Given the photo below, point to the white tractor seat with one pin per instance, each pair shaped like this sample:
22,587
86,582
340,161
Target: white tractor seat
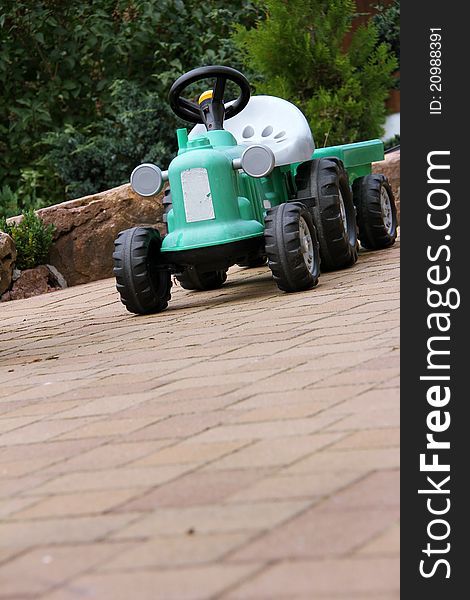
273,122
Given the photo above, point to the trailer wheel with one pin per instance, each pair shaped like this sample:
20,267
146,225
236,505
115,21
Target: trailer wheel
192,279
376,211
292,247
323,186
143,286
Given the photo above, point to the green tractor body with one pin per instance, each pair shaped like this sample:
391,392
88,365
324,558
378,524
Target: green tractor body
209,208
250,190
217,205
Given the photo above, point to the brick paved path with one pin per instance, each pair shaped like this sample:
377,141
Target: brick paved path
242,445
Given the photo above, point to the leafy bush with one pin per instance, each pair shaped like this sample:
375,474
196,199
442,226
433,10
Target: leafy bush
32,238
24,197
299,49
139,128
64,67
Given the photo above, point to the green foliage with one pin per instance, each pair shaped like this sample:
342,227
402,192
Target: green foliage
392,142
32,239
24,197
299,49
387,22
103,154
64,67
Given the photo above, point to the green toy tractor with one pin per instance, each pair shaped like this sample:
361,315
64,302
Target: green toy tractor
248,187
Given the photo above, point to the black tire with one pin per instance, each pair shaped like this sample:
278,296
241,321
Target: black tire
251,263
192,279
284,230
376,211
323,185
143,287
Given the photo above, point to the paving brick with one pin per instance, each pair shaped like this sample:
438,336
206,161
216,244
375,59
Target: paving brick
319,398
268,429
40,431
307,485
80,503
42,569
107,456
343,578
114,479
11,423
42,408
177,551
201,487
370,438
65,530
180,426
212,519
329,459
275,452
369,419
190,583
190,453
241,445
56,450
13,505
386,543
273,413
376,490
319,532
18,468
108,427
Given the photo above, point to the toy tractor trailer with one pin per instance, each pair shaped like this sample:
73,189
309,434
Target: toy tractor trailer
247,186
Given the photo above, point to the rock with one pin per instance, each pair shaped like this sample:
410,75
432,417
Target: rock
83,243
57,277
391,168
32,282
7,261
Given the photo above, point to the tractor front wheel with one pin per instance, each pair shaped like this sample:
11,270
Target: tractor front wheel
292,247
144,286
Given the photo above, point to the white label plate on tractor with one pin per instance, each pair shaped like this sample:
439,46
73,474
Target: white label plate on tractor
197,195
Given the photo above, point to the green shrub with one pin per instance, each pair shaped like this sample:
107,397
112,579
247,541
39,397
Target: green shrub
139,128
32,238
61,64
387,22
299,49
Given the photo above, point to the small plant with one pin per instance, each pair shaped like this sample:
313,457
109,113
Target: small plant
32,238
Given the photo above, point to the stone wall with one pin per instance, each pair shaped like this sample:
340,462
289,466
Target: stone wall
87,227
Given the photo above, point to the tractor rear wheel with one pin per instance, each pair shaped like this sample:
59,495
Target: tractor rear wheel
292,247
143,285
376,211
323,185
192,279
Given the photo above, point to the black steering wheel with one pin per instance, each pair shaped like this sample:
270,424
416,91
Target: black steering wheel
190,111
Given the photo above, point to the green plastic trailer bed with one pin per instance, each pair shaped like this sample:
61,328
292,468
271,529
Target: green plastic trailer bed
357,158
